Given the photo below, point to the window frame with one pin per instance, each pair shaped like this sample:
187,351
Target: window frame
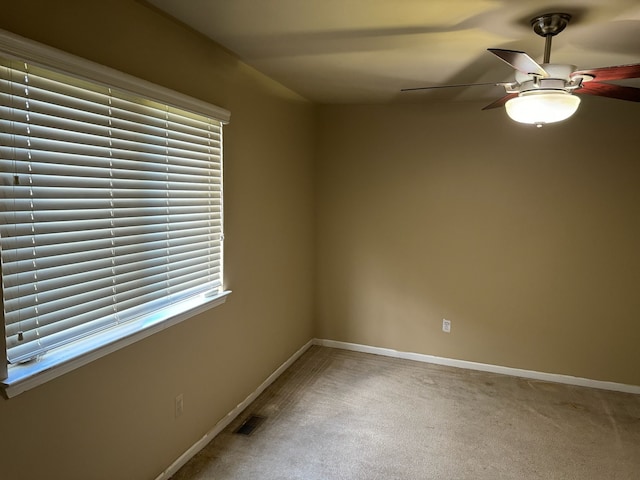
21,377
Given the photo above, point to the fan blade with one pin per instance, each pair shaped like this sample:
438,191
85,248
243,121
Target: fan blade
612,73
501,101
609,90
520,61
450,86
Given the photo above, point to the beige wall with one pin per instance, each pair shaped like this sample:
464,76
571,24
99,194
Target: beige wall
114,419
526,239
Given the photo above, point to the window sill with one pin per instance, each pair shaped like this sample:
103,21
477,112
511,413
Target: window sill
23,377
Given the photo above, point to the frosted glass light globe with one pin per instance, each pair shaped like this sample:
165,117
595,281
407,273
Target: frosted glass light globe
542,106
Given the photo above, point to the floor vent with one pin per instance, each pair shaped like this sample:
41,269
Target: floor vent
250,425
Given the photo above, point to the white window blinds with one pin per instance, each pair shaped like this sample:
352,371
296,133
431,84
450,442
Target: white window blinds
110,204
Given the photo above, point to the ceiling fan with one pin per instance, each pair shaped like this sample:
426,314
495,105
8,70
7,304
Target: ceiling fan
545,93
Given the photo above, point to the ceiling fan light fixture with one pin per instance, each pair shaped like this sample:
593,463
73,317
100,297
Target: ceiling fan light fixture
542,106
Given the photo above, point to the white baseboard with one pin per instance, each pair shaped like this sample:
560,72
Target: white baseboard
484,367
224,422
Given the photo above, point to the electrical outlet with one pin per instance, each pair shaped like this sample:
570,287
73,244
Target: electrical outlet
446,325
179,405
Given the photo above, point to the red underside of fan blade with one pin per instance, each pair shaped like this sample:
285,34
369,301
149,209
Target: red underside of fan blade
612,73
501,101
612,91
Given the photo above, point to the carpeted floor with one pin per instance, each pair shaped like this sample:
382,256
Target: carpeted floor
337,414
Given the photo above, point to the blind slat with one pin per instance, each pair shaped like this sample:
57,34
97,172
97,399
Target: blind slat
97,248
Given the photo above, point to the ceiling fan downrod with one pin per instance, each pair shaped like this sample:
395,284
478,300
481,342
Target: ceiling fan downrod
548,26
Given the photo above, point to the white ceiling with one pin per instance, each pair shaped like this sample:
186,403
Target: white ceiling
357,51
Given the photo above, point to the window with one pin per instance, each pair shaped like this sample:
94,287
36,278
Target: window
111,208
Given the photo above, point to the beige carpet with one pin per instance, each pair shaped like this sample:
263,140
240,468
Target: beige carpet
343,415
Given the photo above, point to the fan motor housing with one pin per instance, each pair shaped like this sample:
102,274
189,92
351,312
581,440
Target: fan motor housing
559,79
545,84
557,71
